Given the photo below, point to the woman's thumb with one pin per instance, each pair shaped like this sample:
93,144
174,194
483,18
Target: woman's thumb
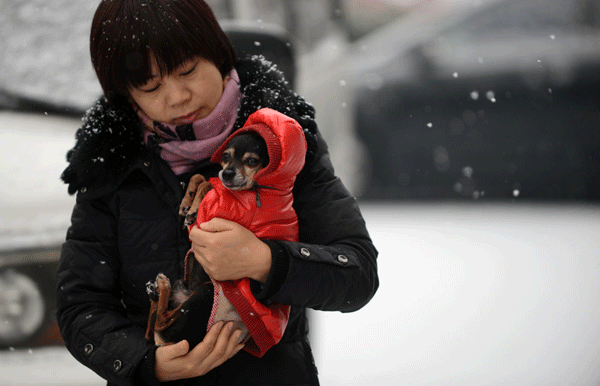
215,225
178,349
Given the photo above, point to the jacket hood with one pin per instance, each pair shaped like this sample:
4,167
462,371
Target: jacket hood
286,146
110,143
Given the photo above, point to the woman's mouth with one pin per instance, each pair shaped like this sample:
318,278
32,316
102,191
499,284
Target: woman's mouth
187,119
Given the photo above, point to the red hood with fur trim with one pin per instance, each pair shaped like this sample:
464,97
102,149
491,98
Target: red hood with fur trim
266,211
286,145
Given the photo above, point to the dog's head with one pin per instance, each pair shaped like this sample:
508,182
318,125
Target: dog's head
244,156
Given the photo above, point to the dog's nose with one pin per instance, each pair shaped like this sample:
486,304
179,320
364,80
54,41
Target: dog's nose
228,174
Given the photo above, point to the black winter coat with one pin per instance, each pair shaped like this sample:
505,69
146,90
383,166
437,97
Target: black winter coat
126,228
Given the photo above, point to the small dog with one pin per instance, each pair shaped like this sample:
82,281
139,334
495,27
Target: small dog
180,311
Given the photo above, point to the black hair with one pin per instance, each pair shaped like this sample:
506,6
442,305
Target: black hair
126,35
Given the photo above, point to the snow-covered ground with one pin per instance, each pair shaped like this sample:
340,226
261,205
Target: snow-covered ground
473,295
50,366
483,294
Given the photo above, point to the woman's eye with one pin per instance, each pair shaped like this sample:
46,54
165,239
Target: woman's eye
189,71
148,90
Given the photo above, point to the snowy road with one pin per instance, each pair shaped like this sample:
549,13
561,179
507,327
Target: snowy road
479,294
49,366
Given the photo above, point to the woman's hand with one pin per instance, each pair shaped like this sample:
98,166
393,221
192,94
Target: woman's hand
228,251
176,361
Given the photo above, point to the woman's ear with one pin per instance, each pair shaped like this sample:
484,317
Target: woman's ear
132,102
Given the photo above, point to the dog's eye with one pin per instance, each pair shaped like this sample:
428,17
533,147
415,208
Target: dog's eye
252,162
225,157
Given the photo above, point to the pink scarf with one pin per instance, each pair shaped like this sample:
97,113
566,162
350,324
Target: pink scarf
184,146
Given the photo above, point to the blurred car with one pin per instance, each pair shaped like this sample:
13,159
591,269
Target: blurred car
492,99
34,215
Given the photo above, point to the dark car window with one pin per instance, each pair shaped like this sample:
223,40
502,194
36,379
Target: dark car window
501,105
532,15
589,16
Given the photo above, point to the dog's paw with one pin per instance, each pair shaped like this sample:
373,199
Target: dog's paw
190,219
183,211
152,290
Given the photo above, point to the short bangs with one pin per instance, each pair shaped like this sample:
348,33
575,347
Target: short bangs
127,34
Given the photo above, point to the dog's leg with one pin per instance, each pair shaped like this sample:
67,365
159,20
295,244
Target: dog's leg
190,194
151,321
163,314
203,188
159,292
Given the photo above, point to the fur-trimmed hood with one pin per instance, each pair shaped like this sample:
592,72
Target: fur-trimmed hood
110,141
285,143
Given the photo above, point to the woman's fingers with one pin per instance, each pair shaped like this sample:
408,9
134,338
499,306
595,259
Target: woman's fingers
176,350
204,348
229,251
177,362
232,348
217,224
218,347
234,344
168,361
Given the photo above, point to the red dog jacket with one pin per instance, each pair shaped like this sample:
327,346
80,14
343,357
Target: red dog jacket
267,212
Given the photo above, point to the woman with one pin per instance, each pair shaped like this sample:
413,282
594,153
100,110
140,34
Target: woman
173,92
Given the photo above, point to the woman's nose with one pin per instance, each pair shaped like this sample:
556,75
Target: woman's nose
178,94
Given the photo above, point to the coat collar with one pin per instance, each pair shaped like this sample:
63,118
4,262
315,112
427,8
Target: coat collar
109,144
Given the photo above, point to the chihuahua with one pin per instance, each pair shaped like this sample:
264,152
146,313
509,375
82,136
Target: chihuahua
192,298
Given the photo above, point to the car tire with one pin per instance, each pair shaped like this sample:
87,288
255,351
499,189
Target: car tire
23,310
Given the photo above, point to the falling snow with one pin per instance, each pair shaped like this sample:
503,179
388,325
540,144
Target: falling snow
467,171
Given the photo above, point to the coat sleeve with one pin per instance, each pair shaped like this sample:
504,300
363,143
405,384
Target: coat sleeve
334,266
90,313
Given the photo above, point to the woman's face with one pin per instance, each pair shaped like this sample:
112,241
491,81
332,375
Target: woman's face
189,93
